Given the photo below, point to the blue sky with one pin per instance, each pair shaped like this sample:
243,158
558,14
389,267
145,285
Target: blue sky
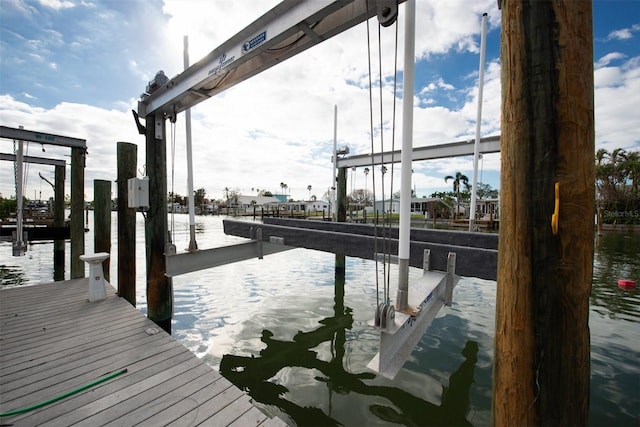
77,68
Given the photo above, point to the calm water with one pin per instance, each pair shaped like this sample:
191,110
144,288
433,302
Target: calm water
296,337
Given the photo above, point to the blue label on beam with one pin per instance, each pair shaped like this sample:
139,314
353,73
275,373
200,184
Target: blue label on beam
257,40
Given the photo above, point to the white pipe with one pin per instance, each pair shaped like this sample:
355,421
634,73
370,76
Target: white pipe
193,246
476,146
334,196
406,155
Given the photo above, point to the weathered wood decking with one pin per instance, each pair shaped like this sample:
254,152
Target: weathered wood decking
53,340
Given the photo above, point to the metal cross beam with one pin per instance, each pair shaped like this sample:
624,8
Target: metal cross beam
476,256
490,144
41,137
291,27
35,160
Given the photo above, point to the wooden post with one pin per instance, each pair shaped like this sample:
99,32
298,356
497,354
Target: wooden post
341,195
77,209
127,155
159,289
58,221
541,356
102,221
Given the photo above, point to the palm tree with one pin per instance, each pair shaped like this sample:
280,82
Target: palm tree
460,177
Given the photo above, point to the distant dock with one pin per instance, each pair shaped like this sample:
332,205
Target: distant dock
53,342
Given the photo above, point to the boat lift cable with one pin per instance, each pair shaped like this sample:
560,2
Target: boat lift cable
373,169
393,132
385,242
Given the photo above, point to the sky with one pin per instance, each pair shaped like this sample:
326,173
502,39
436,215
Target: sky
77,68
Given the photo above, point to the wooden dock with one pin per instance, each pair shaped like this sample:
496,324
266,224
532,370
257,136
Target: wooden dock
53,341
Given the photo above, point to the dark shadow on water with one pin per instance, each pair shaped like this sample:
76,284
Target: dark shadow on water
253,374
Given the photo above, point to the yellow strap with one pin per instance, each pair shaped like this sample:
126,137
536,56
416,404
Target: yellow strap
554,217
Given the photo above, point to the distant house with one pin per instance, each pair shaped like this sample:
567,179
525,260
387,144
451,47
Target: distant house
420,205
386,206
317,205
247,203
487,209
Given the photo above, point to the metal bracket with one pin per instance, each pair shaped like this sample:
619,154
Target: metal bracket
451,268
426,260
158,120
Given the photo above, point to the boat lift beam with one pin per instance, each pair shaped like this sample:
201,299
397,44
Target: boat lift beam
34,160
41,137
288,29
477,254
188,262
490,144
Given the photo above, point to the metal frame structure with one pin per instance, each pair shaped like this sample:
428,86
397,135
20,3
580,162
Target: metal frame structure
78,151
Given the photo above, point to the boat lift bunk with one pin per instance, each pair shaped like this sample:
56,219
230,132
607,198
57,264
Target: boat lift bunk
400,331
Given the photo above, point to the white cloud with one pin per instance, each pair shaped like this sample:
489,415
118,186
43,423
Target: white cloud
617,97
278,126
57,4
624,33
608,58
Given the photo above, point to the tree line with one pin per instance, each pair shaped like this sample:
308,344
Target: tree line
618,185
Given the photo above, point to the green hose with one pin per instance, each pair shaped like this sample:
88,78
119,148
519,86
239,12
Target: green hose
64,395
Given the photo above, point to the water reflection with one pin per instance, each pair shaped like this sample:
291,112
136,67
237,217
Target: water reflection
228,310
616,257
255,374
11,275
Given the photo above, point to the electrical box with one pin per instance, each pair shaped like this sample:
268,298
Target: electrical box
138,192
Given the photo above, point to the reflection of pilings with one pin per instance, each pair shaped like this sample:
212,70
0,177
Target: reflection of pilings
254,373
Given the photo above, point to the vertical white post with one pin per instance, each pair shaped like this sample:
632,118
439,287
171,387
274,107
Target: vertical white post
18,244
476,145
334,195
193,246
406,158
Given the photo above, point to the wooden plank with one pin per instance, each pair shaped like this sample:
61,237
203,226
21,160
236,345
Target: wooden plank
210,407
136,372
57,341
169,406
251,418
186,411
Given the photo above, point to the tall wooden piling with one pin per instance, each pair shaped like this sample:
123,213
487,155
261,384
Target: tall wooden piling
77,209
102,221
159,289
541,356
127,155
58,221
341,195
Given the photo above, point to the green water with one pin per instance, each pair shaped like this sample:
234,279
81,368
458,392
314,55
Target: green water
295,336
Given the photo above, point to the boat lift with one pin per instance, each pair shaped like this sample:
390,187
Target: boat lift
286,30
